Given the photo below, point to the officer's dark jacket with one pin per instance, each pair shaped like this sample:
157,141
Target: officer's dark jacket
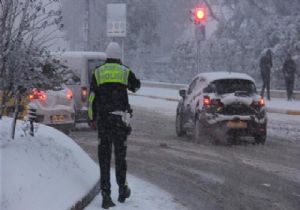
112,96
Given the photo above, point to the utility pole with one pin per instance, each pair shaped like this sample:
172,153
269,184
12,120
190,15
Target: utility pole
86,36
116,23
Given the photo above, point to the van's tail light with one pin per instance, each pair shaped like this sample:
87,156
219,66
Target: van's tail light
38,94
69,94
84,94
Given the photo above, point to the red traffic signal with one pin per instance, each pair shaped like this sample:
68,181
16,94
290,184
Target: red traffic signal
198,15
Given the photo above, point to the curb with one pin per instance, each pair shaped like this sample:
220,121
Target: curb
274,93
269,110
86,200
282,111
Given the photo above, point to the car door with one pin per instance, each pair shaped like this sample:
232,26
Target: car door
190,96
198,94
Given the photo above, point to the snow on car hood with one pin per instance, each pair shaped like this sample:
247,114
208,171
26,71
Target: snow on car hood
231,98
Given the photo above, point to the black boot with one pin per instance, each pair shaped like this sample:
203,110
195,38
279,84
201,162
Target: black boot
124,192
106,201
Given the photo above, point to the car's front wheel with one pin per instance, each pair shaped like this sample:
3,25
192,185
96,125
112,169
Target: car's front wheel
179,128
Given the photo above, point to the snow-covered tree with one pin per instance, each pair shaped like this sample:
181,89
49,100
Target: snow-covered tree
27,28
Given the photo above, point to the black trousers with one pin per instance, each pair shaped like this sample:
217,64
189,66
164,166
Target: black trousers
289,88
112,132
266,85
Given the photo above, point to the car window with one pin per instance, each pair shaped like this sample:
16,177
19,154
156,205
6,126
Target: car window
231,85
211,88
193,85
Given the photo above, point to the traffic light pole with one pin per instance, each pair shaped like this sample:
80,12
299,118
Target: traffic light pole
87,26
198,56
200,36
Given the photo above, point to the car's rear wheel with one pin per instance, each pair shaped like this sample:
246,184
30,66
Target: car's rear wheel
260,139
202,134
198,132
179,128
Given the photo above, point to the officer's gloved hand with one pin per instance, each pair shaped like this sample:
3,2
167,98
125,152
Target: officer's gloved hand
93,125
128,130
130,111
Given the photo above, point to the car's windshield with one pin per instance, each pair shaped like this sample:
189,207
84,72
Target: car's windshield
225,86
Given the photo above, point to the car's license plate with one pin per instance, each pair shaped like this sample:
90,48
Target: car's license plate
58,118
236,125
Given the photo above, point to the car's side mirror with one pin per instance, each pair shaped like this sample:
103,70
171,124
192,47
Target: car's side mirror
182,93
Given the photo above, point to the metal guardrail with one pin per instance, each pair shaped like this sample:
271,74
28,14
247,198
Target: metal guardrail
274,93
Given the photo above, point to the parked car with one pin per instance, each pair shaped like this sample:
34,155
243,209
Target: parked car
221,105
54,107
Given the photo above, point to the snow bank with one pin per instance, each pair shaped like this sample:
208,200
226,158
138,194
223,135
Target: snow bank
284,127
48,171
280,103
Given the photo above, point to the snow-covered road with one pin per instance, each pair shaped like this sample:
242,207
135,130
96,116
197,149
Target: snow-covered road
144,196
207,176
183,174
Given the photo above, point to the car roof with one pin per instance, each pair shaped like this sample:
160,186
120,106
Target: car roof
213,76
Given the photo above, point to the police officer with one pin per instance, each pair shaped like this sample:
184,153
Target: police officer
108,111
265,70
289,70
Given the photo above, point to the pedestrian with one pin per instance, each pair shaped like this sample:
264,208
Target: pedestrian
109,111
265,70
289,70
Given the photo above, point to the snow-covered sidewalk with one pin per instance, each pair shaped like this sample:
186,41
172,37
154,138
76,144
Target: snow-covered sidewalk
144,196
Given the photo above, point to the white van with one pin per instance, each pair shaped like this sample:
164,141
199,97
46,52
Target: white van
82,65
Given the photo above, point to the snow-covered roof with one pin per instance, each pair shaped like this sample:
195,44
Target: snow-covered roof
213,76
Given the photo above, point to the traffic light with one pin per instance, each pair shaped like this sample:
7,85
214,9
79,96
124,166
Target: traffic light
198,15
